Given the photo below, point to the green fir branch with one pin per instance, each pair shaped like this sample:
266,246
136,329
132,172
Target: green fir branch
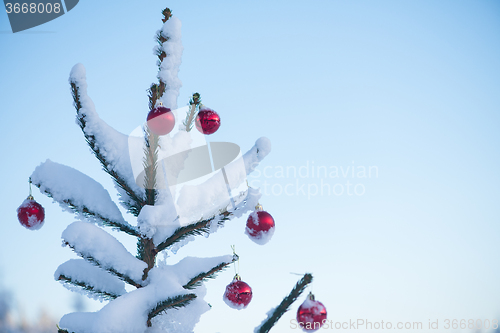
96,262
104,294
194,102
155,91
146,251
125,227
199,228
134,207
285,304
211,274
171,303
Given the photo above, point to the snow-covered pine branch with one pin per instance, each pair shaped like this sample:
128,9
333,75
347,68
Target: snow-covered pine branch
100,248
165,290
171,303
275,314
172,48
82,194
98,283
109,146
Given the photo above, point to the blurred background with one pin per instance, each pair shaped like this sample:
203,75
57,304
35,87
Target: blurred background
384,175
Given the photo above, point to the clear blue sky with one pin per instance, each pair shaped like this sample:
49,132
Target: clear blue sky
409,87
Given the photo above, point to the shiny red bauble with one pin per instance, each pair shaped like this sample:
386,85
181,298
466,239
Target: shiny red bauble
238,294
311,314
31,214
260,227
161,120
207,121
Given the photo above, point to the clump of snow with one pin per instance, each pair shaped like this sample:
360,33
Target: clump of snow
67,184
310,304
159,221
112,144
169,68
190,267
260,150
82,271
182,320
129,313
91,241
262,237
232,305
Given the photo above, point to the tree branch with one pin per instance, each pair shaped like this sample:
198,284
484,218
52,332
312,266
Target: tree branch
194,102
211,274
198,228
95,262
171,303
125,227
134,208
86,287
285,304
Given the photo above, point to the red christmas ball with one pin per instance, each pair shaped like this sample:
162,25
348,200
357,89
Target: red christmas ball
311,314
238,294
161,120
260,226
31,214
207,121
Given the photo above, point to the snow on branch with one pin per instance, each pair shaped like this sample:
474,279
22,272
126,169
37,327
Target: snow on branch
208,274
79,192
100,248
98,283
275,314
109,146
171,303
134,311
170,52
199,228
256,154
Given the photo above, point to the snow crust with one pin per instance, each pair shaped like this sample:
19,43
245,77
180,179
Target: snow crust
253,157
91,241
233,305
112,144
65,183
82,271
169,68
128,313
182,320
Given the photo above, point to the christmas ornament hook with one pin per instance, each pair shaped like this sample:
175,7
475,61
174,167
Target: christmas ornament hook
236,271
30,197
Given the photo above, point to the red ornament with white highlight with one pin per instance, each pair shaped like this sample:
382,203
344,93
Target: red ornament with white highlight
207,121
161,120
260,226
238,294
311,314
31,214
